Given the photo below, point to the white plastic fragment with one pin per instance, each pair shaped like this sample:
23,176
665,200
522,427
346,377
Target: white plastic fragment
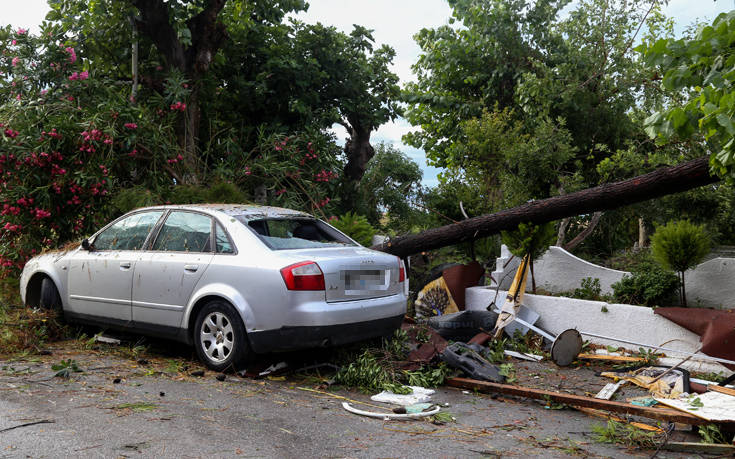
389,416
419,395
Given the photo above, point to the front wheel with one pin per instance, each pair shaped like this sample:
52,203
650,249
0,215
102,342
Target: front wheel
50,298
220,338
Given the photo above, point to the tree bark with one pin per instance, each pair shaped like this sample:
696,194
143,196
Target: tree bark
562,234
207,36
658,183
571,245
642,234
358,150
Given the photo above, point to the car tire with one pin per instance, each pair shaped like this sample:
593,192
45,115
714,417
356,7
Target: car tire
50,298
220,338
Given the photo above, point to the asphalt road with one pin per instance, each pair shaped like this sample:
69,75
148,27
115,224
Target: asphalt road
157,409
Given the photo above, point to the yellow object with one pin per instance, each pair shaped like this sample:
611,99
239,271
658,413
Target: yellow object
435,299
514,298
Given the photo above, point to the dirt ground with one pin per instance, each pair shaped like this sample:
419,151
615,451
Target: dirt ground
131,400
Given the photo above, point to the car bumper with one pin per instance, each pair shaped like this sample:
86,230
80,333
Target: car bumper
291,338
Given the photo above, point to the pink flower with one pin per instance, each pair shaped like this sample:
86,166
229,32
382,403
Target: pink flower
74,76
17,97
72,54
15,61
131,125
247,170
280,192
21,31
84,75
14,42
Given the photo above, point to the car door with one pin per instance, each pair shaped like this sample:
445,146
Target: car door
167,273
101,279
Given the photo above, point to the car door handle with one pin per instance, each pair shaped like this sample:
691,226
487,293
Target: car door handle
191,268
125,264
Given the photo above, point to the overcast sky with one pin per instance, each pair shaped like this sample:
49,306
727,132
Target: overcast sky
394,22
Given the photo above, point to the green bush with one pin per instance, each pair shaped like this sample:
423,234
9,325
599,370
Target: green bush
679,246
529,239
355,226
648,284
590,290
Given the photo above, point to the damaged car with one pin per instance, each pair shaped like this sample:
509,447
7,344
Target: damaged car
231,280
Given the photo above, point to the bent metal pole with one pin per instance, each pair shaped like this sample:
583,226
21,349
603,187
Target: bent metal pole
692,354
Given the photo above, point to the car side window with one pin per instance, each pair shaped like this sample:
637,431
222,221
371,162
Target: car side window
222,241
185,232
129,233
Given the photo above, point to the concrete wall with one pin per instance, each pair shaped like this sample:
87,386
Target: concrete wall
710,284
556,271
622,321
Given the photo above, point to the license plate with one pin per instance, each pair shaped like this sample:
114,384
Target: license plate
366,280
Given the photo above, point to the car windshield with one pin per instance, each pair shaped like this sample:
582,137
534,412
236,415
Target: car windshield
295,233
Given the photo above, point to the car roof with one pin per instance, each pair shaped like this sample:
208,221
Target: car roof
249,211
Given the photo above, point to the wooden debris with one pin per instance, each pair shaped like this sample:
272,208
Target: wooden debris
610,358
702,448
722,390
609,390
662,414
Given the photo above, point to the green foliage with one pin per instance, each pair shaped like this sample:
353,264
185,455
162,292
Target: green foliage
391,184
700,67
366,373
398,388
429,376
711,433
65,368
355,226
625,434
680,245
530,239
648,284
589,290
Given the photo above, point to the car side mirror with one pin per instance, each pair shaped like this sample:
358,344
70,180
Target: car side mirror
86,245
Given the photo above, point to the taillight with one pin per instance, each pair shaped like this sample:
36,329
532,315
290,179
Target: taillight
303,276
401,271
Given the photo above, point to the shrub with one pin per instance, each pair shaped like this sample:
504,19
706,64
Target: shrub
590,290
356,227
529,239
648,284
679,246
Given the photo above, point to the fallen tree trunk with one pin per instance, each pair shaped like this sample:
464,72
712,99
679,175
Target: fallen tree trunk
668,180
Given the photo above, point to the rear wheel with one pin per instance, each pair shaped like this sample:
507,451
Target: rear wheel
50,298
220,338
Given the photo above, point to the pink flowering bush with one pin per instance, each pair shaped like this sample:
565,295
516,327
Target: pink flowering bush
68,143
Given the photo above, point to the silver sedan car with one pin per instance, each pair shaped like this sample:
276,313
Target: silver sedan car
232,280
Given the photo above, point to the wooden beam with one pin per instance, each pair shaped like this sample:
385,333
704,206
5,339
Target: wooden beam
661,414
720,389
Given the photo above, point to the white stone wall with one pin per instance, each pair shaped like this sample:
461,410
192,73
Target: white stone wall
711,284
621,321
556,271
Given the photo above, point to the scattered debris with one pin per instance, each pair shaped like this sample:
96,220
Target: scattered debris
116,381
700,448
107,339
711,406
610,358
660,381
463,357
609,390
388,416
42,421
418,395
197,373
276,367
524,356
662,414
221,377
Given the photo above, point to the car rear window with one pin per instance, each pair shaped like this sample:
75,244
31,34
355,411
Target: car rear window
295,233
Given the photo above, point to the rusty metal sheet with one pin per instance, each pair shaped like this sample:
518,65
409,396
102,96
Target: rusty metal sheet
715,328
458,278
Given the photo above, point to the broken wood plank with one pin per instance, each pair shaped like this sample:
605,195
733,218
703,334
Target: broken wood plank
704,448
661,414
610,358
609,390
606,415
720,389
